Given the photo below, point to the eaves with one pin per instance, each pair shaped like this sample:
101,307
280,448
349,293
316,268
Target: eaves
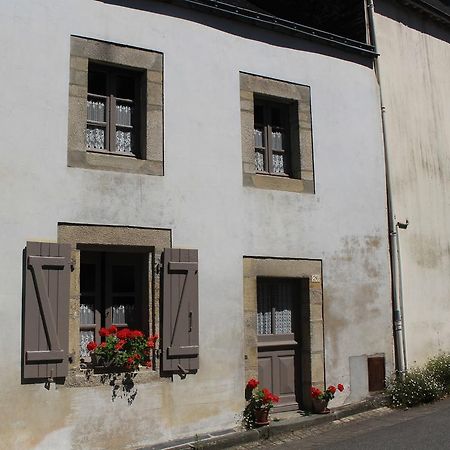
435,9
267,21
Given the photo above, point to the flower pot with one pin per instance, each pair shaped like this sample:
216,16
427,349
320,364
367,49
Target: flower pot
319,406
262,416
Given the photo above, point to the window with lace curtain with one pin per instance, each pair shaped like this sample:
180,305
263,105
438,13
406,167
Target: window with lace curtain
271,132
275,305
276,124
113,110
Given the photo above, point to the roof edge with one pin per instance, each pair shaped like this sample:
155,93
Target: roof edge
268,21
435,12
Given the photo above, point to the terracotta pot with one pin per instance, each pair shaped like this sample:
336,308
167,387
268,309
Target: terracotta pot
320,406
262,416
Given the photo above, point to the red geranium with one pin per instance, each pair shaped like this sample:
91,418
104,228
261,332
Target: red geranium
91,346
151,341
315,392
148,364
328,394
252,383
104,332
124,333
123,348
135,334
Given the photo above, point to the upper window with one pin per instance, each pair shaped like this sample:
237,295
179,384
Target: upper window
276,134
272,150
112,111
115,108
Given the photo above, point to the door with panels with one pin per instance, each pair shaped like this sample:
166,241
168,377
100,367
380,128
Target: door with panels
278,303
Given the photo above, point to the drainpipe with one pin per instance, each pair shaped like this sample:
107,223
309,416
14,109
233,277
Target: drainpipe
393,225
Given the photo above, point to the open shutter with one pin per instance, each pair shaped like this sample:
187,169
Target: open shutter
180,342
46,310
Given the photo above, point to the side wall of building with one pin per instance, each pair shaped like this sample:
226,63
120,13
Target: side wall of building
201,199
415,67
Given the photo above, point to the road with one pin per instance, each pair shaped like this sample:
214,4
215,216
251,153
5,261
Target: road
425,427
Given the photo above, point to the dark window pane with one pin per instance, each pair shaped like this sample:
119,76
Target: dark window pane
123,279
87,278
275,113
264,316
125,87
97,82
259,115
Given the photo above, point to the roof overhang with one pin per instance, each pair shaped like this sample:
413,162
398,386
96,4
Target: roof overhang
260,19
435,9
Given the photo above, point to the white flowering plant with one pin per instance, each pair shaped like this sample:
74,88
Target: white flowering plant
439,366
417,386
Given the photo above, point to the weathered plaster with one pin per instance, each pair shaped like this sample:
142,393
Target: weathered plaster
416,90
201,198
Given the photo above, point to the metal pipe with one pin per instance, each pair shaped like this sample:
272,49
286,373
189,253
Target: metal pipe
397,296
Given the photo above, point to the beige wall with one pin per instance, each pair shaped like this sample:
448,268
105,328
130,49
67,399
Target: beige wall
415,68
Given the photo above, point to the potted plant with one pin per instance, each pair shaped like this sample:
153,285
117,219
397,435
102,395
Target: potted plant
259,403
320,399
123,349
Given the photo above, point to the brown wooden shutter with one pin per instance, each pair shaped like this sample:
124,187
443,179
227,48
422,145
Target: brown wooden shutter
376,371
180,343
46,310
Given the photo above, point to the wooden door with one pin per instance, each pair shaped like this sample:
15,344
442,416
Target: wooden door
278,348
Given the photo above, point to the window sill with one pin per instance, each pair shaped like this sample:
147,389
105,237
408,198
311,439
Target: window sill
278,183
88,378
106,152
113,162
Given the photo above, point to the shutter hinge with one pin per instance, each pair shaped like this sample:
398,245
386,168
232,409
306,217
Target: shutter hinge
158,267
72,264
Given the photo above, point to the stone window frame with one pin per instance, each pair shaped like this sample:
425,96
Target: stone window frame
83,51
299,98
152,241
313,358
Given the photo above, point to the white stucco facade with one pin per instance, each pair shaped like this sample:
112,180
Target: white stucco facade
201,199
416,88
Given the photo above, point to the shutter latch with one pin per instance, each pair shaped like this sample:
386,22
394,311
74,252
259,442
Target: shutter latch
49,381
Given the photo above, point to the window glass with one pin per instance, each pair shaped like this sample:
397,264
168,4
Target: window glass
123,278
97,82
271,125
125,87
275,302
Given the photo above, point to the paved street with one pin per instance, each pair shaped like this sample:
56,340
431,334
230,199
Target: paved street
425,427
